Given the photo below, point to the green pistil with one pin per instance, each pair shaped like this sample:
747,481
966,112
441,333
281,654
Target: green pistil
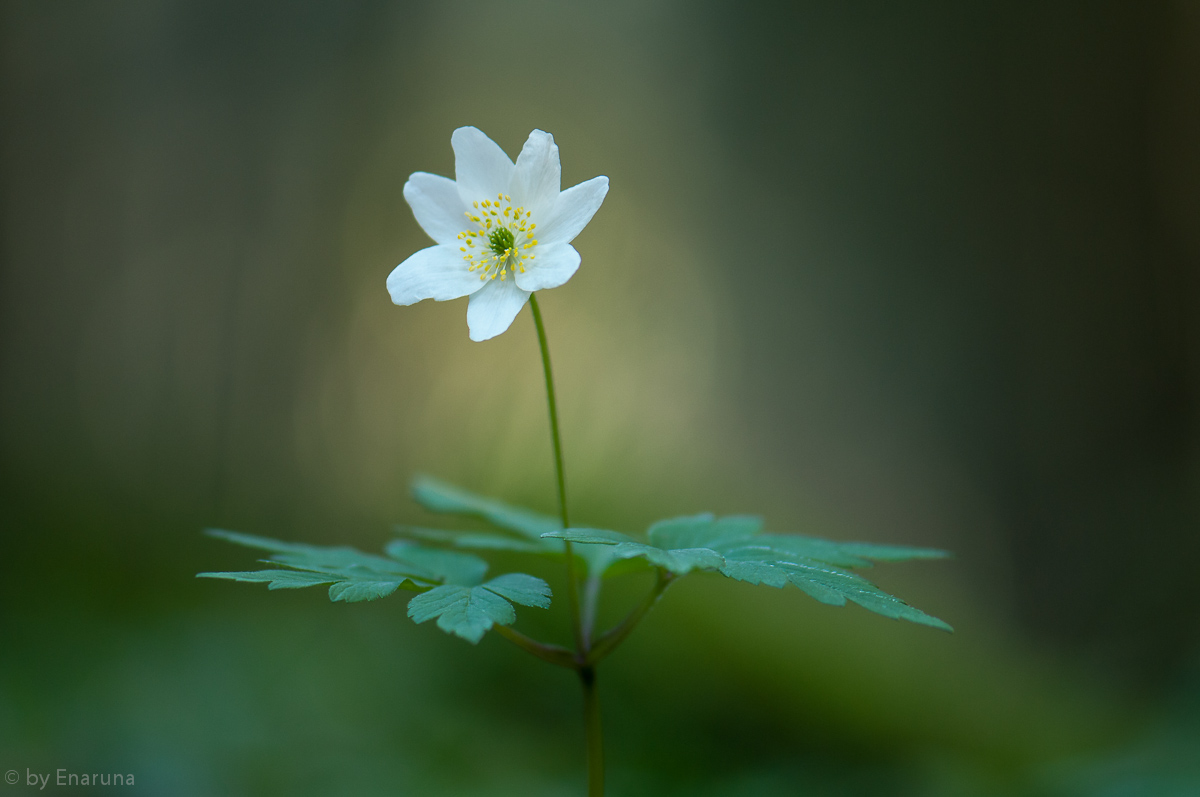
501,240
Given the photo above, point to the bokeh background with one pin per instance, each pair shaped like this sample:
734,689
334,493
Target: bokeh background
921,273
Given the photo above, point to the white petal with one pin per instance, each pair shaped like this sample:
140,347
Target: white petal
573,210
492,310
538,175
553,266
436,204
480,166
437,273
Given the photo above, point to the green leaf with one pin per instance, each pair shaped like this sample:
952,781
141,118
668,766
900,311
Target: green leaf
341,558
523,589
348,586
535,527
322,558
262,543
450,567
891,553
822,581
735,547
276,578
678,560
480,541
353,575
702,531
438,496
843,554
470,612
592,536
356,587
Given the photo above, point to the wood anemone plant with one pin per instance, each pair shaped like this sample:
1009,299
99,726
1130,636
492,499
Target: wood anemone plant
487,249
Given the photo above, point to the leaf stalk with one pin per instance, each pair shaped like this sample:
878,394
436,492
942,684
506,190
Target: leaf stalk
610,639
544,651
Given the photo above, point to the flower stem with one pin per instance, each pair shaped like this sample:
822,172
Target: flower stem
581,642
583,628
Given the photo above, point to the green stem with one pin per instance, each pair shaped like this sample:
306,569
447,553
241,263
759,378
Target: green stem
591,598
608,642
583,636
595,732
546,652
581,642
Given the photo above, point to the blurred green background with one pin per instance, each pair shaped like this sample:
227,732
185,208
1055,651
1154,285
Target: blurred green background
920,273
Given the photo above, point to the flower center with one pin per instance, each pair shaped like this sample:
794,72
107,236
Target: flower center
502,238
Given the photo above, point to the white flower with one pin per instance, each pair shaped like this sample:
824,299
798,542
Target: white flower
502,231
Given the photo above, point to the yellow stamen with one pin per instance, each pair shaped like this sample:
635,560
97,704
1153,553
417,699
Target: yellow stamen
498,214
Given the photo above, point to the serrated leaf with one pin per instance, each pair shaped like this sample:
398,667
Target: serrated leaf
321,558
466,612
353,575
363,588
592,536
450,567
343,586
342,558
822,581
276,578
678,560
439,496
734,546
892,553
470,612
262,543
843,554
702,531
523,589
479,541
359,576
